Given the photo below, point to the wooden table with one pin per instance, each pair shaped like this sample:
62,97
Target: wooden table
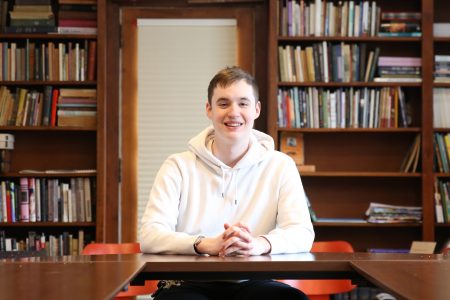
103,276
409,276
408,279
78,277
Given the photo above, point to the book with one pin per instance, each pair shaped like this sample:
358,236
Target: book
24,201
292,144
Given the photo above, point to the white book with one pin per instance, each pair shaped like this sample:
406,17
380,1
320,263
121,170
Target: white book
356,22
65,202
373,19
325,61
343,110
298,64
365,19
87,199
351,17
333,111
331,19
312,19
438,208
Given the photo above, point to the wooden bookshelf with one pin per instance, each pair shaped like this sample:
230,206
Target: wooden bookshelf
440,46
53,147
356,166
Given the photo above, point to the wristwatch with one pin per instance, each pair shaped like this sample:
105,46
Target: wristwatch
197,242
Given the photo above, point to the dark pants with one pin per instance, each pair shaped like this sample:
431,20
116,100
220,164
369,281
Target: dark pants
248,290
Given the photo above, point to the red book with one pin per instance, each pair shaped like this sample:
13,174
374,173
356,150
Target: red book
8,206
77,23
92,60
54,104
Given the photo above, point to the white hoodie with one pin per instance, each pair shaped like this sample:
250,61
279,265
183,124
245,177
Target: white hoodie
194,194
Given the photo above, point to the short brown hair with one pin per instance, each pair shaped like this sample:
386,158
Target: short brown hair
230,75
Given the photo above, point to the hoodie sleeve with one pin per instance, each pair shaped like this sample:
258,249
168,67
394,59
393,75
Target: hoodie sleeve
159,221
294,231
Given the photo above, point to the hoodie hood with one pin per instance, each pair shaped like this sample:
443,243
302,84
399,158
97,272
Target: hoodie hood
261,146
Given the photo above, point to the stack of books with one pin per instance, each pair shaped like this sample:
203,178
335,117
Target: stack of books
403,24
441,29
399,69
31,16
442,68
441,108
77,107
383,213
77,16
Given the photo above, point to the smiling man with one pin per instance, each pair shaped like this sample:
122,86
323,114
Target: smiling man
231,193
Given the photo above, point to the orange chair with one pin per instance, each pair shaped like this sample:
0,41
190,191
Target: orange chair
124,248
322,289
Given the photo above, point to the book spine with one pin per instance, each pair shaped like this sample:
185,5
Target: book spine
24,200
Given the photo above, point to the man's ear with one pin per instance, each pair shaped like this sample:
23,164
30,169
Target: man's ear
258,109
208,110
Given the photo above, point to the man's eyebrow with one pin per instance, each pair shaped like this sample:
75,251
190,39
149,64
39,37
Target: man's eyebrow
222,99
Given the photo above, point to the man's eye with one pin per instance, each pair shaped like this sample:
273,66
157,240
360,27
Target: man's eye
244,104
222,105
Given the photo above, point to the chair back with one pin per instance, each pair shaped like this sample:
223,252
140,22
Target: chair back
323,288
123,248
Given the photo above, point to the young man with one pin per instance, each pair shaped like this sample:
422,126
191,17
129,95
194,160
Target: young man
231,193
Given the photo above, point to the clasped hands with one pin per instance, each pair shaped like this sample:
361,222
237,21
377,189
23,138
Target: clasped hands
235,240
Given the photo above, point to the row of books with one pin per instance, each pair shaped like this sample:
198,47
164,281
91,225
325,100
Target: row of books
53,245
442,200
327,18
384,213
411,160
74,61
442,152
441,108
52,107
342,108
47,200
442,68
327,62
32,16
405,24
403,69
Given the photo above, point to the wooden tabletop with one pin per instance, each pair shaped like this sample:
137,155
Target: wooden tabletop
67,278
287,266
409,279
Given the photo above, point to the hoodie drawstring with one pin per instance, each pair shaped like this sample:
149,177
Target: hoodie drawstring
223,182
235,185
234,181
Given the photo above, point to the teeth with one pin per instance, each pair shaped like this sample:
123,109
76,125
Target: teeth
233,124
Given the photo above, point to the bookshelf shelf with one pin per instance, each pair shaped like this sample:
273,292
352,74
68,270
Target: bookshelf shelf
48,224
365,225
349,84
357,166
47,175
47,36
352,130
284,39
361,174
47,82
46,128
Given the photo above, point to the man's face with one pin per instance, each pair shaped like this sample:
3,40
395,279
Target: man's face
233,111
